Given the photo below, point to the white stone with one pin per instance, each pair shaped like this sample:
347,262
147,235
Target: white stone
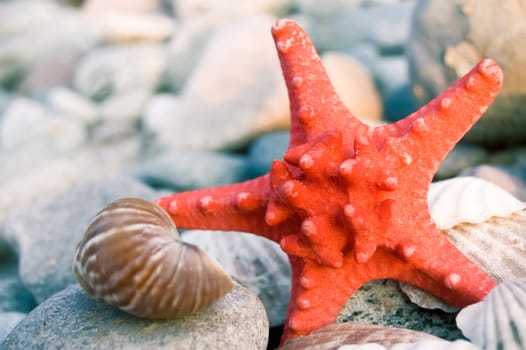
118,28
28,123
121,6
235,92
354,85
111,70
186,8
67,101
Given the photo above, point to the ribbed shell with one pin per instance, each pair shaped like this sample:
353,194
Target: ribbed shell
131,257
255,261
338,334
469,200
499,321
498,245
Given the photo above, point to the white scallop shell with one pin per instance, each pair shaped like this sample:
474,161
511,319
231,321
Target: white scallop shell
498,321
497,246
255,261
426,344
362,336
468,199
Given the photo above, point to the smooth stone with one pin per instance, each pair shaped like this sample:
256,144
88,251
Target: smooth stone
254,261
14,296
462,156
45,235
387,26
27,122
69,102
61,30
8,321
354,85
217,112
125,107
101,7
53,70
391,72
325,9
400,103
190,170
71,319
449,37
186,46
188,8
128,28
24,186
22,16
112,70
509,178
265,149
382,302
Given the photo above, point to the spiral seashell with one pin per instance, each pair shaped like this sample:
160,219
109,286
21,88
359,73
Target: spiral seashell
498,321
131,257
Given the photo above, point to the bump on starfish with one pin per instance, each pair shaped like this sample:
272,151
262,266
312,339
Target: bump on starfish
348,202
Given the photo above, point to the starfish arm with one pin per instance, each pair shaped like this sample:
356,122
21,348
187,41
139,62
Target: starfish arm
235,207
434,129
314,104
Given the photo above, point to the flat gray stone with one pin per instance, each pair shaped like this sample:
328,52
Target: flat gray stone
46,234
14,296
189,170
383,302
8,321
73,320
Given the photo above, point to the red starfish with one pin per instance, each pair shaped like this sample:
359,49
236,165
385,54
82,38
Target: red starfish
348,203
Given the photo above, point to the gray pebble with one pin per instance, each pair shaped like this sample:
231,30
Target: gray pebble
73,320
46,234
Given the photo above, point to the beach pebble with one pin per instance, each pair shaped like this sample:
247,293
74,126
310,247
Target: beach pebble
386,26
354,84
225,103
186,46
188,8
8,321
45,235
382,302
126,28
66,101
462,156
189,170
257,262
40,29
24,185
265,149
112,70
449,37
27,123
71,319
54,70
509,178
14,296
99,7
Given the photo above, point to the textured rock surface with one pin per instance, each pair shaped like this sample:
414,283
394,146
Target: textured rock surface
382,302
45,235
256,262
188,170
73,320
8,321
448,37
